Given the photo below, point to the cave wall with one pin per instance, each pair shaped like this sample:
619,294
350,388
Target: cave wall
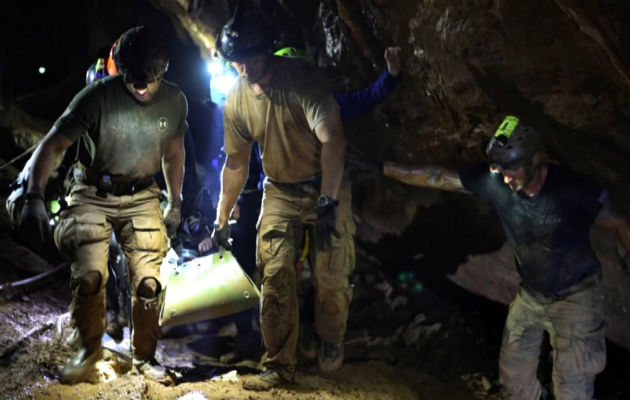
561,65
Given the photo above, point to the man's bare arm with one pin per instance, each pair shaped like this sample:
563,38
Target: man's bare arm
173,167
429,176
233,179
45,158
330,134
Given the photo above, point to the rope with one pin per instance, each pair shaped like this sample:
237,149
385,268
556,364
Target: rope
30,149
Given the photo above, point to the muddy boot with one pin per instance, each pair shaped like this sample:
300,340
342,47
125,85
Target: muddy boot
247,347
268,379
330,357
152,370
115,327
115,331
81,367
308,342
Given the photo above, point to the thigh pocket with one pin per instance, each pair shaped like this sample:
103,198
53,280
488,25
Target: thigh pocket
583,353
272,241
149,234
75,231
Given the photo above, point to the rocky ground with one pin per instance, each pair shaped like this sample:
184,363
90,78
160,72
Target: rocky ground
405,341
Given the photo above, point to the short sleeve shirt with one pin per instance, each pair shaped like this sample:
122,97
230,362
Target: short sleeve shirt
282,120
549,232
119,135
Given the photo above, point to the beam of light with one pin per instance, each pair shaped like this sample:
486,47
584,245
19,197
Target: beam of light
222,78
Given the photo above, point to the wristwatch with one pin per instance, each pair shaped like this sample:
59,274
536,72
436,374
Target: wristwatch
324,200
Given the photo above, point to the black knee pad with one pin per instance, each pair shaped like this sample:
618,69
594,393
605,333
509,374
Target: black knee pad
90,283
149,288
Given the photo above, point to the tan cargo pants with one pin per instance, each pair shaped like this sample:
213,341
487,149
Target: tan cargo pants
83,236
280,233
576,333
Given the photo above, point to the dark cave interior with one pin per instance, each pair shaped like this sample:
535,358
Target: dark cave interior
464,66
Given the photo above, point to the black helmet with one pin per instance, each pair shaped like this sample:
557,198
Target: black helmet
513,144
141,55
244,35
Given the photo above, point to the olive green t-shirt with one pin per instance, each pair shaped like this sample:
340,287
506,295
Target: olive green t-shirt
282,120
119,135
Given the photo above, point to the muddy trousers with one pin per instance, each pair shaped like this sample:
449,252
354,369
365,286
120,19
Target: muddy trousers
576,333
83,235
281,228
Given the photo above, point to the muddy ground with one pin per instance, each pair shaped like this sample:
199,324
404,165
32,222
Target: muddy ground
405,341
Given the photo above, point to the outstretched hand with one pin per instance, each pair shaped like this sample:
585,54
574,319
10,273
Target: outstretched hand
392,57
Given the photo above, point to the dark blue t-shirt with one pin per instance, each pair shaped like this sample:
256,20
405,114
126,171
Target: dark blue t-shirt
549,232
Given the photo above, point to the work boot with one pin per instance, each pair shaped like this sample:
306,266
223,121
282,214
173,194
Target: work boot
330,357
268,379
308,343
152,370
115,330
81,367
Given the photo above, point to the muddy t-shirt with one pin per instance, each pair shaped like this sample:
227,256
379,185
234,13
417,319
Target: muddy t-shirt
549,232
119,135
282,120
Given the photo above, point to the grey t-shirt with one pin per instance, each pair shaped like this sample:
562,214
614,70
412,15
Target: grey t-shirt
119,135
549,232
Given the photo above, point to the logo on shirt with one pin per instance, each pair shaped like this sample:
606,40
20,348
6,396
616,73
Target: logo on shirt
162,124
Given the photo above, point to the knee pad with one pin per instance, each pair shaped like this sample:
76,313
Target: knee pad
90,283
149,288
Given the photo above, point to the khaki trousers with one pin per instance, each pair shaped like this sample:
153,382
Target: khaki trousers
83,236
576,332
281,227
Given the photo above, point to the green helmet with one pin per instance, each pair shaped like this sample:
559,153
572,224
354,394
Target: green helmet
293,52
513,144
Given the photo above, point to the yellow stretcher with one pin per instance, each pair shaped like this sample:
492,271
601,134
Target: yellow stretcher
204,288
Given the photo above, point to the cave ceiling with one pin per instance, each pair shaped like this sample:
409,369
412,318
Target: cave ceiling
562,65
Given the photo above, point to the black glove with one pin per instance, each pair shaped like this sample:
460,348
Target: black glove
362,169
325,225
221,236
34,226
172,217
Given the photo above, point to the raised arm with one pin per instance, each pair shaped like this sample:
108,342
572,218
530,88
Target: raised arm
353,104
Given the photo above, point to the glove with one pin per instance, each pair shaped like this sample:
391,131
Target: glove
34,221
221,236
172,217
362,169
325,226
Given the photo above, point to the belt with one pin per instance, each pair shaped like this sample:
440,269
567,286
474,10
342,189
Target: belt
117,186
303,189
586,283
